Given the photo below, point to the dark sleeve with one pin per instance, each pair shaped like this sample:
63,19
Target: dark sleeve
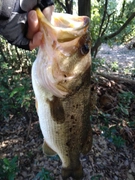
14,30
9,6
44,3
26,5
13,23
20,6
6,8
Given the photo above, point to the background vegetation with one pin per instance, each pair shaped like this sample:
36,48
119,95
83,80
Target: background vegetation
112,22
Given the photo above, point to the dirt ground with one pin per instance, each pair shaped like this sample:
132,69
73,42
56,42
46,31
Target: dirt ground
121,54
104,162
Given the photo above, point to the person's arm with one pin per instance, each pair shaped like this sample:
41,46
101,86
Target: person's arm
13,20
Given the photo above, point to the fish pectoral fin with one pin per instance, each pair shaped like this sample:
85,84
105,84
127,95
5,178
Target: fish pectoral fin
47,150
57,110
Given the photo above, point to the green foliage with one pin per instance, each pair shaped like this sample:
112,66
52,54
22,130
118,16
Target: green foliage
8,168
59,7
97,63
107,19
118,141
122,109
97,177
112,135
121,113
131,124
114,66
111,132
125,99
16,93
43,175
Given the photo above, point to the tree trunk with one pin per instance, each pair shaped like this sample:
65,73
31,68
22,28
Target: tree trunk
104,38
69,6
84,7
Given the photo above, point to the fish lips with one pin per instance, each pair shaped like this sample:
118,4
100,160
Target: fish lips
65,27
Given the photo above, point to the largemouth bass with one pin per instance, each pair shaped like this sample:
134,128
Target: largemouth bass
61,82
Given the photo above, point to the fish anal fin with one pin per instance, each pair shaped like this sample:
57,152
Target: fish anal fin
76,173
47,150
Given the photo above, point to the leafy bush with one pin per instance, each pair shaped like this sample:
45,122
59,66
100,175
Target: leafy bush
97,63
96,177
8,168
125,99
43,175
114,66
111,22
16,93
112,135
111,125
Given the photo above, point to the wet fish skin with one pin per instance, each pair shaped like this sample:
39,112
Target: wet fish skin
61,82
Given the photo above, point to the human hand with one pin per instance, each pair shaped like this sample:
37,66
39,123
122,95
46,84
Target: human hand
22,29
33,34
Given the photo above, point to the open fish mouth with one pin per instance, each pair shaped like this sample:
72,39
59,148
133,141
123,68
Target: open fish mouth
65,26
62,58
70,27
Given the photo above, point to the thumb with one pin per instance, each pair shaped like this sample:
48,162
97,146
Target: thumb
33,24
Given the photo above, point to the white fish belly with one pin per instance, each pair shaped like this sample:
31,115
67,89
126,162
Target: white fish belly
54,134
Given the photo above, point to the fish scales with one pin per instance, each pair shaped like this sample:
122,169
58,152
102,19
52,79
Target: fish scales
61,82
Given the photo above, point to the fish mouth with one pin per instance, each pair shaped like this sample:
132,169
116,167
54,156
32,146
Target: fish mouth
65,27
71,31
63,55
69,21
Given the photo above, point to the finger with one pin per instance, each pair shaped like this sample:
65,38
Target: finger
36,41
33,24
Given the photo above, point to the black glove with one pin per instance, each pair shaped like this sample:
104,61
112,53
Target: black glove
13,20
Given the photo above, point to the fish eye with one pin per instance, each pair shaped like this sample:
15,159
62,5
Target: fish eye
85,49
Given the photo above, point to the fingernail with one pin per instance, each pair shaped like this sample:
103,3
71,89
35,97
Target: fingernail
33,15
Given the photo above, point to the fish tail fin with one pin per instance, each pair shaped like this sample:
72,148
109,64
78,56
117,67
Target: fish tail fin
76,173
